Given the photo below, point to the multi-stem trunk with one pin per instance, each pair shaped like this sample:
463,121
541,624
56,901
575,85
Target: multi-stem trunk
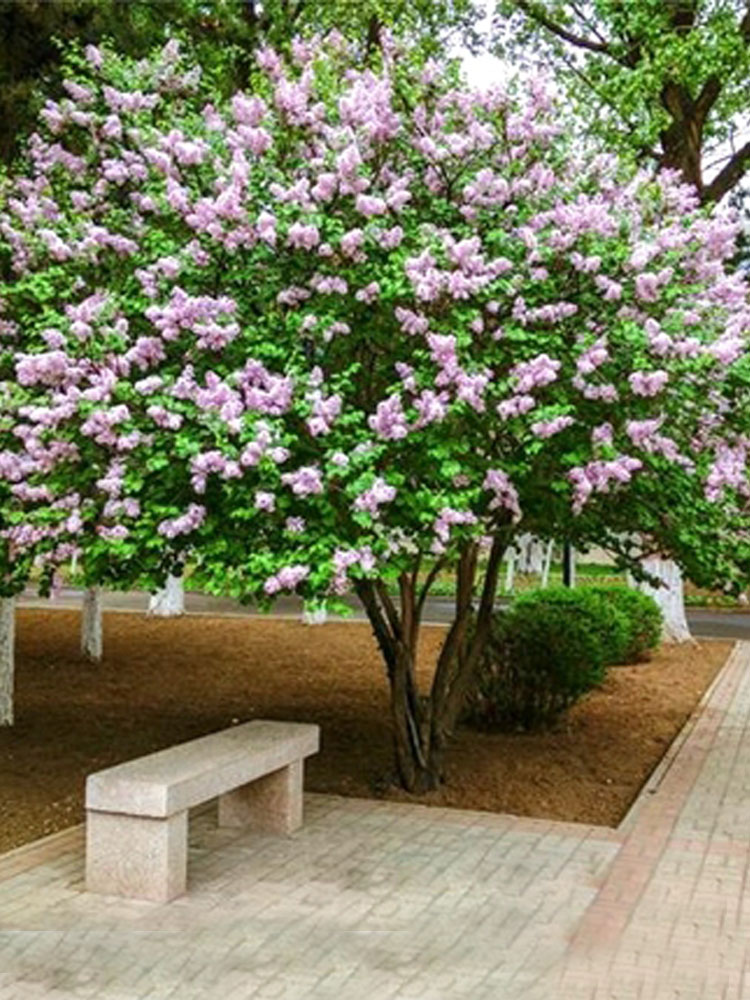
7,632
423,721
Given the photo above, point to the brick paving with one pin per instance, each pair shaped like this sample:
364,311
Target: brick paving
380,901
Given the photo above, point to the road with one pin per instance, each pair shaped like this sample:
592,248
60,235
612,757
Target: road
439,610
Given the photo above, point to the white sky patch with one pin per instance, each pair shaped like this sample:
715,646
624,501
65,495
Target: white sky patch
485,70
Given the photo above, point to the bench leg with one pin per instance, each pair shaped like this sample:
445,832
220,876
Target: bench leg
136,856
271,804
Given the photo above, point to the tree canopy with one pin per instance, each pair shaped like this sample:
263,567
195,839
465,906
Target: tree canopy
349,323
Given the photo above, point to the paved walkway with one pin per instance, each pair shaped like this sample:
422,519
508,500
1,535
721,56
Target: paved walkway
383,901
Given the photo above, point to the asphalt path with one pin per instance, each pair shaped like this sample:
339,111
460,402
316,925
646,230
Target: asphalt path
703,622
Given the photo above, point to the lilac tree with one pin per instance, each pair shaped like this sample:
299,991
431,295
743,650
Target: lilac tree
354,329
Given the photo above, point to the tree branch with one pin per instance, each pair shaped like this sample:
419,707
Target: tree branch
385,638
429,580
390,609
580,42
728,176
745,24
707,98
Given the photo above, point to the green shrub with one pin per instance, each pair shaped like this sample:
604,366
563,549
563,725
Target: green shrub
609,621
543,654
644,619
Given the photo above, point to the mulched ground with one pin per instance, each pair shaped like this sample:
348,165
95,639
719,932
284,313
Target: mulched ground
165,681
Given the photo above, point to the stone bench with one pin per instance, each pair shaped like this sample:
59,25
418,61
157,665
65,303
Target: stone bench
137,812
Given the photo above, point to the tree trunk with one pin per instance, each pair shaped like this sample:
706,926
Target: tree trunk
169,602
423,723
418,762
315,616
7,646
568,565
91,624
510,569
681,140
547,564
530,554
669,597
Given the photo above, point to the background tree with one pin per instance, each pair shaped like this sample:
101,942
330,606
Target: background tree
661,83
666,80
224,35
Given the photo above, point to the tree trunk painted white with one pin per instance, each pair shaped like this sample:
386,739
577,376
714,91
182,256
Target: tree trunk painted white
530,554
169,602
547,564
91,624
510,569
670,597
7,645
316,616
573,567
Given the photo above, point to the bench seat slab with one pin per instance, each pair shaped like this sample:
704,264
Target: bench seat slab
136,856
181,777
271,804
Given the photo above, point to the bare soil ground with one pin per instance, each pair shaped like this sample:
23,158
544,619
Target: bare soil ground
165,681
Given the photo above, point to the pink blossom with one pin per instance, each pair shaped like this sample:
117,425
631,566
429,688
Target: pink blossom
303,237
411,322
192,519
548,428
305,481
112,534
449,516
325,187
372,498
505,494
264,500
368,205
648,383
369,293
389,420
540,371
600,476
602,434
352,241
248,110
286,578
516,406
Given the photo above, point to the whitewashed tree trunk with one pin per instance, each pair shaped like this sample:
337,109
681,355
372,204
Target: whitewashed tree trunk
169,602
530,554
316,616
91,624
510,570
547,564
669,597
573,567
7,647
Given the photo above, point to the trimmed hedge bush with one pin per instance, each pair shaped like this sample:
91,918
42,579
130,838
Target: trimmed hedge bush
606,618
544,653
552,646
644,620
